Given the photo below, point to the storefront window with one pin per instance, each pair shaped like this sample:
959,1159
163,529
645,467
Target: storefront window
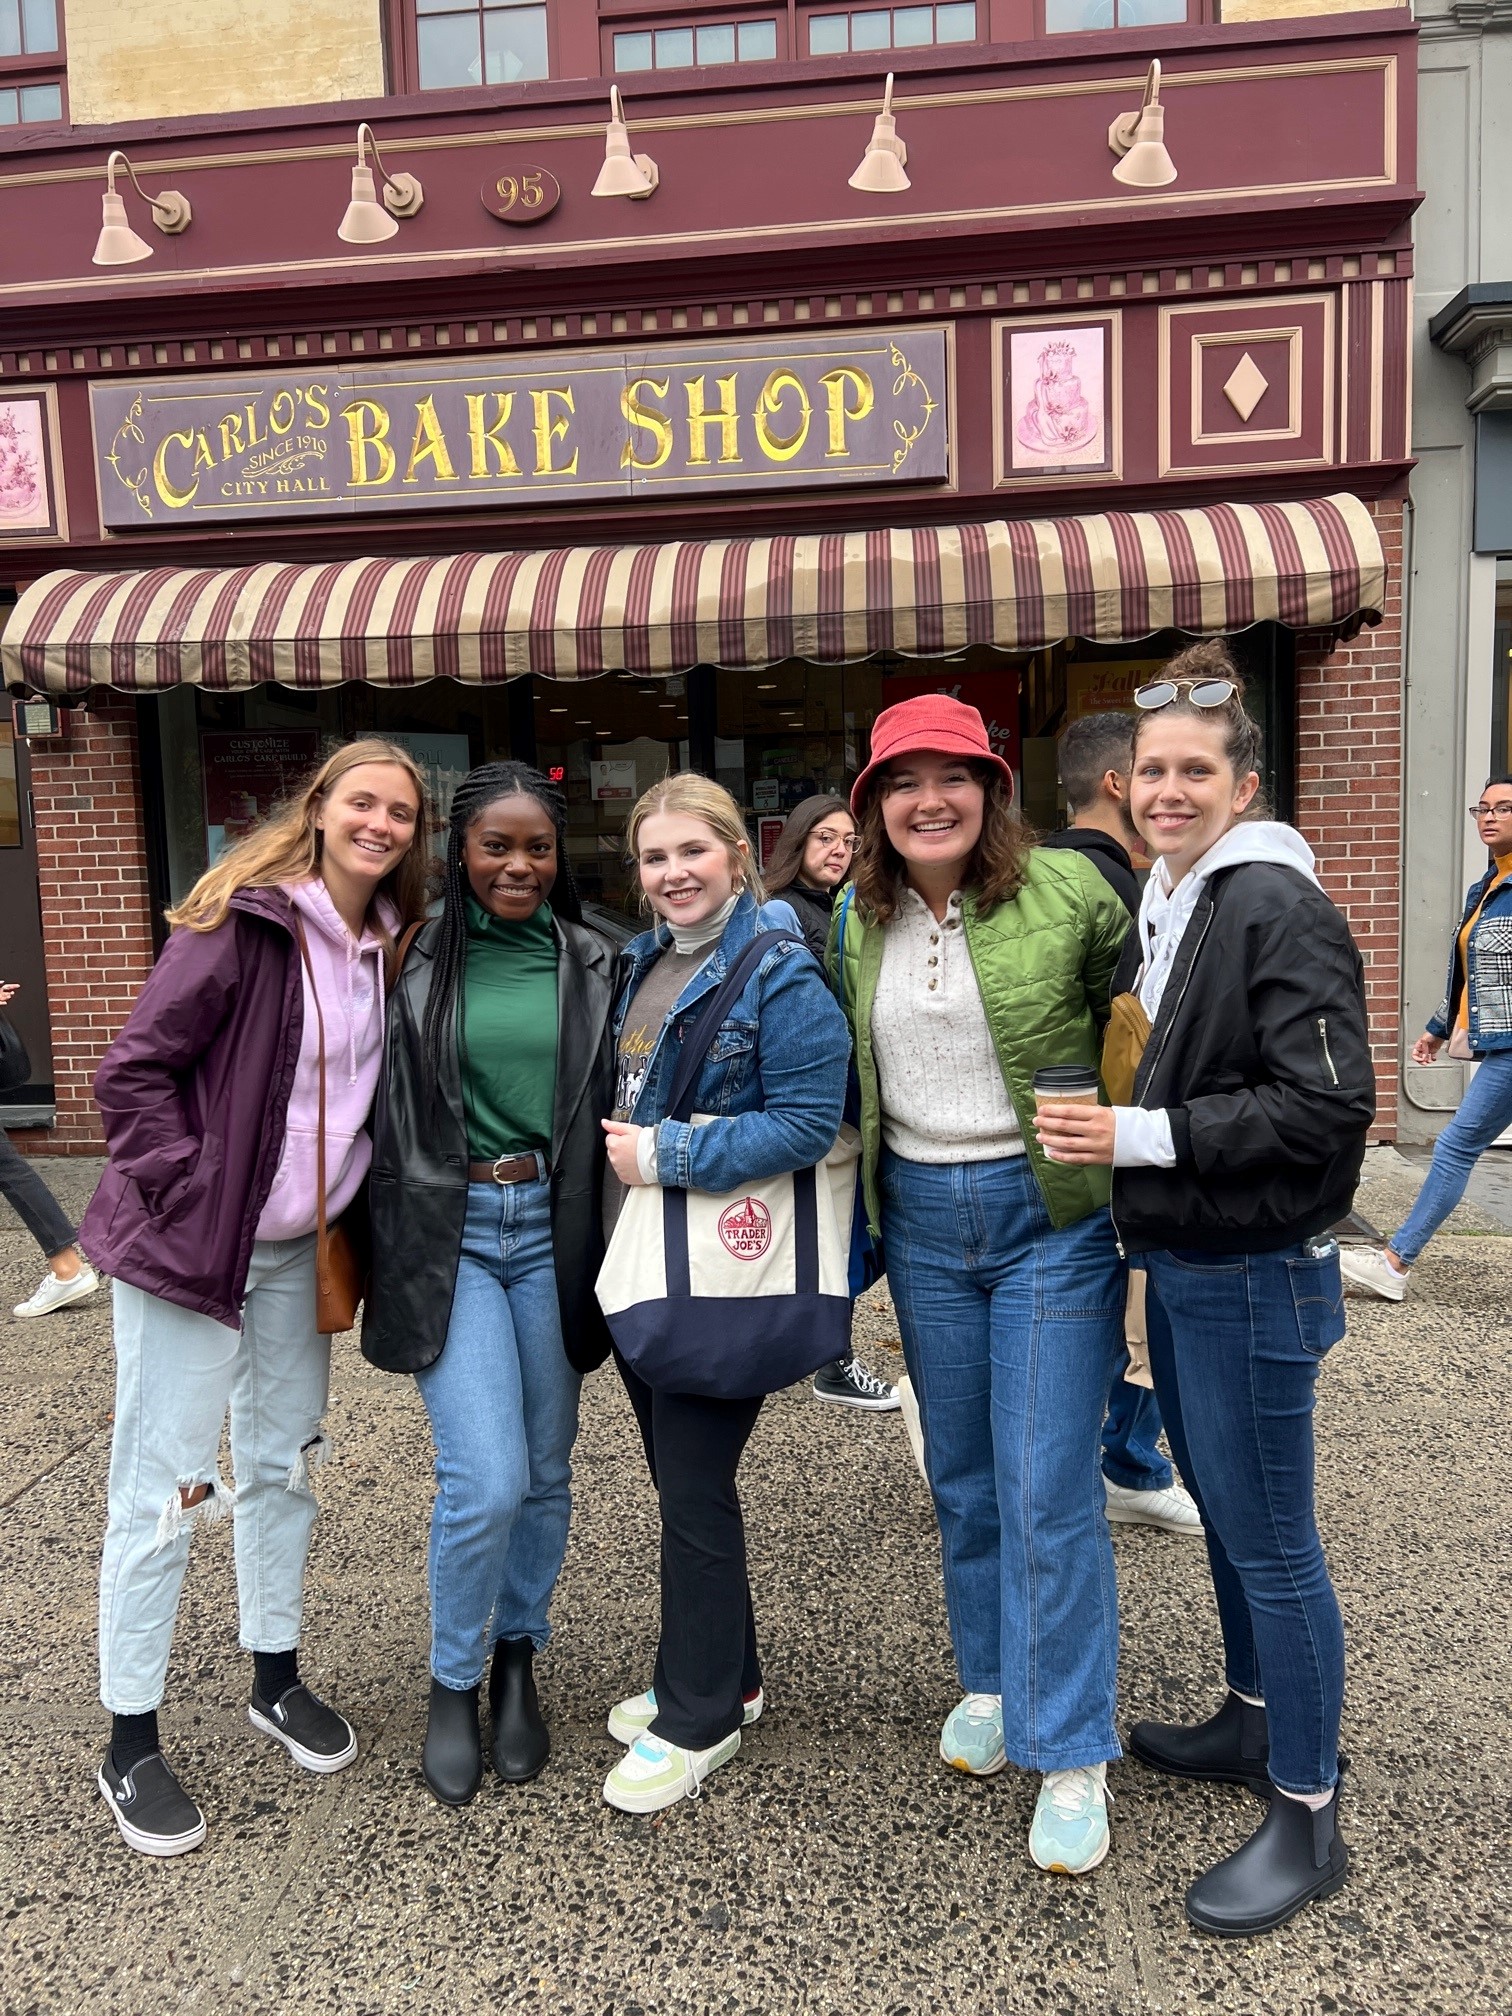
10,792
1501,672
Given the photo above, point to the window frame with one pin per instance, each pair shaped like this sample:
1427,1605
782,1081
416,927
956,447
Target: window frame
850,8
1199,13
775,11
401,37
49,66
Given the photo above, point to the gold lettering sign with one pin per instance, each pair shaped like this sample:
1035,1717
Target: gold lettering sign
741,415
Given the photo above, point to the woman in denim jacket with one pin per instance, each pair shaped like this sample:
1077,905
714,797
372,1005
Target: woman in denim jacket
1475,1020
774,1080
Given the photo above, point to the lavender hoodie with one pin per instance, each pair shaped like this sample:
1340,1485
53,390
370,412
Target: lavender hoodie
349,978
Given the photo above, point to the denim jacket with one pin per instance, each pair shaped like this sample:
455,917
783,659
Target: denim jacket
1488,974
774,1077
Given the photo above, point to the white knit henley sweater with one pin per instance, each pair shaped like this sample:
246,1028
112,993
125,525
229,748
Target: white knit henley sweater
943,1096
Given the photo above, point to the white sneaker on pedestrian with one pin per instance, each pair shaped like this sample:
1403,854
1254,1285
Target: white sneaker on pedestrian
1368,1268
1172,1509
653,1773
55,1294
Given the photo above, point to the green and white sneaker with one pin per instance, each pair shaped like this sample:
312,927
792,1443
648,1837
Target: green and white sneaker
653,1773
1069,1833
633,1717
972,1739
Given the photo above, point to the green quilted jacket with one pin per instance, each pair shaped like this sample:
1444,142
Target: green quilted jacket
1044,962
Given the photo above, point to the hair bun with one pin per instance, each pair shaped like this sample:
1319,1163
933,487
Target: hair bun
1209,658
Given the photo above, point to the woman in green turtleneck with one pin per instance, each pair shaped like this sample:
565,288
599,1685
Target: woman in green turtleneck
487,1233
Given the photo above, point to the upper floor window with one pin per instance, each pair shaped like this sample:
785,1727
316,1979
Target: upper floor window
693,48
31,63
478,42
1072,17
892,28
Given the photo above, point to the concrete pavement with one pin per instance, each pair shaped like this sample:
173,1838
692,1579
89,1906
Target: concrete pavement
836,1865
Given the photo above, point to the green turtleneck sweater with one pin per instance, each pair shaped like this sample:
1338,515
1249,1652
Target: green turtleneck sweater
509,1030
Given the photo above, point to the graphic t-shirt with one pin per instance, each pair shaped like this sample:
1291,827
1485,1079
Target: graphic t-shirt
645,1018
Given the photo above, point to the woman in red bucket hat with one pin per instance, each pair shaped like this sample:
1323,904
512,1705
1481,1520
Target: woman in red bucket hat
971,961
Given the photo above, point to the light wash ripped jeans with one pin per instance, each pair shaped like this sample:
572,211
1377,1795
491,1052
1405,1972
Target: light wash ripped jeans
176,1374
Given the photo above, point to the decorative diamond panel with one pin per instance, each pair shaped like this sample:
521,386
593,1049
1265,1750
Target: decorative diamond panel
1246,386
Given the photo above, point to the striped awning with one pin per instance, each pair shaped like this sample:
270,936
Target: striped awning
577,611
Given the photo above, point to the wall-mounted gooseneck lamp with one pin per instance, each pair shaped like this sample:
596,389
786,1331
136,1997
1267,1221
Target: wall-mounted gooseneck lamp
1140,138
367,221
118,244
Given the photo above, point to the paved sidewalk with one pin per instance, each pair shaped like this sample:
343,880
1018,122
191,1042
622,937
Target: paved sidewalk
835,1865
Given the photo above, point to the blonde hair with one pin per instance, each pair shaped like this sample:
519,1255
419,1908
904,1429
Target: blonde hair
697,797
286,847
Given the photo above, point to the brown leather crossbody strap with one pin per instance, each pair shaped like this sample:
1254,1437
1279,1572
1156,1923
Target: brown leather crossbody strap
320,1183
401,953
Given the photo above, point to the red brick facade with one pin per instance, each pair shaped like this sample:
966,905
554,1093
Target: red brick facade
1349,799
96,919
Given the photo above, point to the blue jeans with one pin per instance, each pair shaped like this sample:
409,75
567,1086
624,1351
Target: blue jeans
1011,1330
1235,1344
176,1374
503,1405
1130,1434
1484,1112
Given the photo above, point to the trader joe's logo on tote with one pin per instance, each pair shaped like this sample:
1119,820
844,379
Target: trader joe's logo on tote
746,1228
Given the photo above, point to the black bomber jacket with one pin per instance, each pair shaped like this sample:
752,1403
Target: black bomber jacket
1260,1054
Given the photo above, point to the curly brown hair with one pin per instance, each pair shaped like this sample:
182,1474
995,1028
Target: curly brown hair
994,874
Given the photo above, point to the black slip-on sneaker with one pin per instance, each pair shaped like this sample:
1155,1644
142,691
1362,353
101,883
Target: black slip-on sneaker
155,1814
314,1736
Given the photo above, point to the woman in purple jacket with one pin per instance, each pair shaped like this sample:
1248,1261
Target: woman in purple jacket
205,1218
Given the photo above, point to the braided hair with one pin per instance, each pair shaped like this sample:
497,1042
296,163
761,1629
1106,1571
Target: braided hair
478,790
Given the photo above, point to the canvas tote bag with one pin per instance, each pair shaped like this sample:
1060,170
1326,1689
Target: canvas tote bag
741,1294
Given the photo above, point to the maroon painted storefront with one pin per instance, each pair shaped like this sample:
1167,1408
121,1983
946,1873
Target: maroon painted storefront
1039,342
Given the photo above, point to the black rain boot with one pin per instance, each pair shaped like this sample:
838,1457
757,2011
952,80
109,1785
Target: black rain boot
1230,1748
521,1740
452,1759
1295,1855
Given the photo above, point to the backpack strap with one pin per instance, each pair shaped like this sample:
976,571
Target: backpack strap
702,1034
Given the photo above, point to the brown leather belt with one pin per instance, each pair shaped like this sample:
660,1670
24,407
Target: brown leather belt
530,1168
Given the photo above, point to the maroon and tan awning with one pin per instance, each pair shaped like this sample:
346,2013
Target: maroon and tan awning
577,611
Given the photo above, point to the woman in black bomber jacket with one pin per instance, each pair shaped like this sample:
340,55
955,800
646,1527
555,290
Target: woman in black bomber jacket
1242,1147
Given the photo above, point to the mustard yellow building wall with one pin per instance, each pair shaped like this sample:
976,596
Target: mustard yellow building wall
142,59
1285,10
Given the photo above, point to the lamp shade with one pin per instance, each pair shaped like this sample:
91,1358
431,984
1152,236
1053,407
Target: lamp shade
1147,165
881,170
366,221
623,173
118,244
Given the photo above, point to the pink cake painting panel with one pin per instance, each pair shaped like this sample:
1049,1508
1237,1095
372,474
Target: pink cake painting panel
24,502
1056,385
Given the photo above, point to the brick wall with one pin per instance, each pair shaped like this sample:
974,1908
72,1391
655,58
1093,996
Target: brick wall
1349,800
96,923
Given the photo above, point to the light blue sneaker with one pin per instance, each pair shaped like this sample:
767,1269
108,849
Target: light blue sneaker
972,1739
1069,1833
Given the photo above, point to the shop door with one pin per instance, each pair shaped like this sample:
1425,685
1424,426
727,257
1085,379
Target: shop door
21,933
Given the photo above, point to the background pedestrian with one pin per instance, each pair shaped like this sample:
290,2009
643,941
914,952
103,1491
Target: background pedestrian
69,1277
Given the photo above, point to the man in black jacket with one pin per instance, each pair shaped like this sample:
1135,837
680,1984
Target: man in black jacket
1094,756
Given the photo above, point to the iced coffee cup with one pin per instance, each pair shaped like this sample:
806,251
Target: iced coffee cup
1065,1081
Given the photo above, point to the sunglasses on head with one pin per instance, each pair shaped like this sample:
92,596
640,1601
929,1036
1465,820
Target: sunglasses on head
1201,693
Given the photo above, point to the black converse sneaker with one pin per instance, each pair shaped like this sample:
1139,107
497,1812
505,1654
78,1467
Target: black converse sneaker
848,1383
155,1814
314,1735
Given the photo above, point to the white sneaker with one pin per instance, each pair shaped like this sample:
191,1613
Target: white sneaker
653,1774
1069,1833
55,1294
632,1717
1368,1268
1172,1509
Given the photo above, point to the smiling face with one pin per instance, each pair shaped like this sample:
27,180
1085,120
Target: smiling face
685,868
367,823
932,809
1183,794
509,856
827,851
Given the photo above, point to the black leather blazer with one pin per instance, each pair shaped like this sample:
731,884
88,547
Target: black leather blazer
418,1184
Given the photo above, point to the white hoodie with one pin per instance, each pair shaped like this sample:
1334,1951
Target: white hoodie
1143,1139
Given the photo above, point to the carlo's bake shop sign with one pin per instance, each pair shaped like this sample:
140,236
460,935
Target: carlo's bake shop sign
668,420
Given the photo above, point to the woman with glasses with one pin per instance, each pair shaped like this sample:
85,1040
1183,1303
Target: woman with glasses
809,863
1236,1138
1475,1020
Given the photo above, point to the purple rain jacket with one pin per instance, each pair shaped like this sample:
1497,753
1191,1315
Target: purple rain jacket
193,1094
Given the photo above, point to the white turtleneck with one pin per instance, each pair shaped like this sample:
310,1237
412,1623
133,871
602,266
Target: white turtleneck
706,933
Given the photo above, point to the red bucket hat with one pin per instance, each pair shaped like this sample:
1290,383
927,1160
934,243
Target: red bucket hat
933,722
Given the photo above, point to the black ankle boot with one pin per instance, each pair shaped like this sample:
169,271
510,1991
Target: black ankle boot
1294,1855
521,1740
452,1759
1230,1748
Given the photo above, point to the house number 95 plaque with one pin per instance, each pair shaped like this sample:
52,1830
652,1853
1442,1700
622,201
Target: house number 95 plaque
523,196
